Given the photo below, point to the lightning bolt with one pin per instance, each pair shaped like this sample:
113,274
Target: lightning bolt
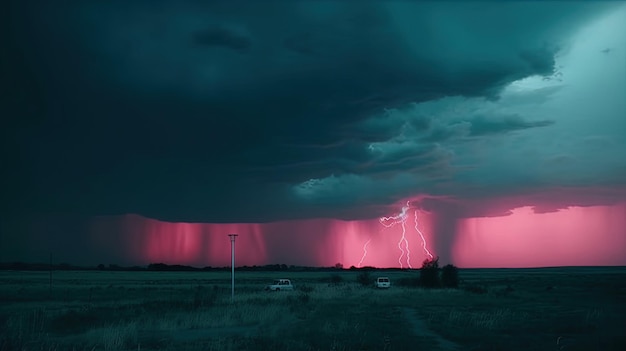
406,246
364,252
422,236
401,218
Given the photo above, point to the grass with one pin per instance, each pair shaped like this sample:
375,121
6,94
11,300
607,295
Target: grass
540,309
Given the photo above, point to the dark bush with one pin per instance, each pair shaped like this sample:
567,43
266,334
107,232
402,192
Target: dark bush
429,273
450,276
364,278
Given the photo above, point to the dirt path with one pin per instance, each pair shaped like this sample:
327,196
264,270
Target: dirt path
420,329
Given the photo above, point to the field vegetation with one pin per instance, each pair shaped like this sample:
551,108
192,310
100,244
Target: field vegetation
492,309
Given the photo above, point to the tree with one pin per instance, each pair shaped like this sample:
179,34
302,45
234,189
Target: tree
429,273
450,276
364,278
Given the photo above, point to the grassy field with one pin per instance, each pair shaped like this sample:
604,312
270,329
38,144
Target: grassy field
516,309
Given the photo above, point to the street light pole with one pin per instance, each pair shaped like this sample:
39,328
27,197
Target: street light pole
232,266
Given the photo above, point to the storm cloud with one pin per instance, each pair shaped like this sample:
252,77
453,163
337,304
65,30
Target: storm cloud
230,111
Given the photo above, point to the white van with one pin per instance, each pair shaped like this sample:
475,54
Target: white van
280,284
383,282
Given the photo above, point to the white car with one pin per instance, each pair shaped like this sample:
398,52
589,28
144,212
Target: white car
280,284
383,282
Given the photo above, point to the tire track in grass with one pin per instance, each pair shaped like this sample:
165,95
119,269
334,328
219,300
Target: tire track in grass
420,329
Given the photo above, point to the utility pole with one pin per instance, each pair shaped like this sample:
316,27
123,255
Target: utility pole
232,266
50,290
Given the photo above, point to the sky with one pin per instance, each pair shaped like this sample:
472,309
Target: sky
489,134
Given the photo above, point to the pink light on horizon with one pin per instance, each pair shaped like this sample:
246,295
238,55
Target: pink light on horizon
144,240
315,242
577,236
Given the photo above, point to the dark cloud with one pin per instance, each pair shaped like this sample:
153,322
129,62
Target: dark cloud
222,37
113,111
482,126
542,200
540,61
